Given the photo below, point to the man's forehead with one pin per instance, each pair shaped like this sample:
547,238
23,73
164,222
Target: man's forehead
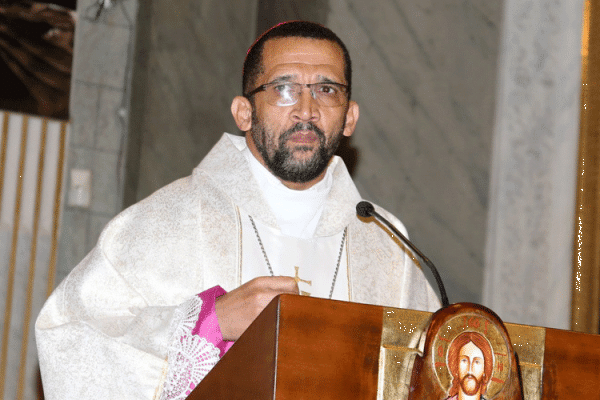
302,56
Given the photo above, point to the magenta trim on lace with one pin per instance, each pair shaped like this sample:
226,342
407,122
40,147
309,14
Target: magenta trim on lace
208,324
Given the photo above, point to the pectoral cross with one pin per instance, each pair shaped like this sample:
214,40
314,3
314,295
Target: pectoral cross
298,280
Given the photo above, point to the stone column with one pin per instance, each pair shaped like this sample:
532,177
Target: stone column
99,105
527,277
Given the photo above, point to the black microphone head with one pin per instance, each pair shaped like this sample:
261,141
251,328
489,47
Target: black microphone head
364,209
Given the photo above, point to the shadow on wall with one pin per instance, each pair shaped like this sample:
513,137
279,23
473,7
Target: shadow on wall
39,388
349,154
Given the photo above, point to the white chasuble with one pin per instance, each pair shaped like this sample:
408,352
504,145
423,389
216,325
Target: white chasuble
115,308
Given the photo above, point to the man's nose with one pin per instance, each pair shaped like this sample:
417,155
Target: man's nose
306,108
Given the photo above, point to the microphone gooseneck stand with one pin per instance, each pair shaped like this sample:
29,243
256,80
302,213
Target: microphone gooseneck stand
365,209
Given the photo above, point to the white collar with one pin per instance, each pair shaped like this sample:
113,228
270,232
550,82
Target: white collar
297,211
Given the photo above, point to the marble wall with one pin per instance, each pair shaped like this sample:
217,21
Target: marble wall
531,218
424,77
188,69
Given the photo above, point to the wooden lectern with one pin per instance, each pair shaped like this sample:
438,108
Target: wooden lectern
309,348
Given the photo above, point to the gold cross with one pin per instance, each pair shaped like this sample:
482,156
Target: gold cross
298,280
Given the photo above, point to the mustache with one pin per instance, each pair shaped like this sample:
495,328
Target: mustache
302,126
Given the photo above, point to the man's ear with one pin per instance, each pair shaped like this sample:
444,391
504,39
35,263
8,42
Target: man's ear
241,109
351,118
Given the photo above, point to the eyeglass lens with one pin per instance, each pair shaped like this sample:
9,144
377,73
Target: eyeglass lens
288,94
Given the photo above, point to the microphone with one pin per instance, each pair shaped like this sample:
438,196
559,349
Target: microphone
365,209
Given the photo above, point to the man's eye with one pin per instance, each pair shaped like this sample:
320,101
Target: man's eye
282,88
329,90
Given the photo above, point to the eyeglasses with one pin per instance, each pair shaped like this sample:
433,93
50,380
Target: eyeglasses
284,94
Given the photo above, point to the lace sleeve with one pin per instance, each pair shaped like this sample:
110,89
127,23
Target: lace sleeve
196,344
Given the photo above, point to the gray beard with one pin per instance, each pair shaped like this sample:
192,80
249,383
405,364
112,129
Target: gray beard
283,164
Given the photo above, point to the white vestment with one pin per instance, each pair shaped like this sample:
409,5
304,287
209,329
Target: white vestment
107,330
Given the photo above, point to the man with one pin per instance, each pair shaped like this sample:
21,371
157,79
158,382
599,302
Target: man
144,316
470,360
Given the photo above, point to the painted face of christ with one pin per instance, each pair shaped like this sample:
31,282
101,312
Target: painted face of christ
470,368
470,360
